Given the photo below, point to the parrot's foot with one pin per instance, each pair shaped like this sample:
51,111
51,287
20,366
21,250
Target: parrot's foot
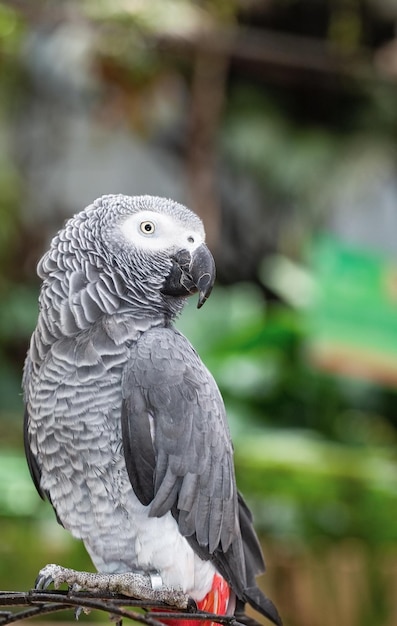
138,585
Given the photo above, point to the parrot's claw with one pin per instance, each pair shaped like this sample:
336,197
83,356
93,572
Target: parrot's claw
77,612
55,574
139,585
42,582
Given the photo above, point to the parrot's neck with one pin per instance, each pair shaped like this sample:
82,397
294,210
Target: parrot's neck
77,293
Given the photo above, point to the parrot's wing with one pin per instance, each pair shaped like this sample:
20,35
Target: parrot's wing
176,441
179,458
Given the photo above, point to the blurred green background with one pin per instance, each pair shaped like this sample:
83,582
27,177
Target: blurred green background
276,121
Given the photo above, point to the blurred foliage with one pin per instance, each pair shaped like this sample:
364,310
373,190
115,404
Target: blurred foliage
287,159
18,315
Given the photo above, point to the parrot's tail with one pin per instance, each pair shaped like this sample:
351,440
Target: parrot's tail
218,600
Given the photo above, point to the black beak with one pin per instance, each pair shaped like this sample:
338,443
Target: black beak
191,273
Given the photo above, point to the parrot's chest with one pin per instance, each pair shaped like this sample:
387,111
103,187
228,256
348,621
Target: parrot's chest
78,443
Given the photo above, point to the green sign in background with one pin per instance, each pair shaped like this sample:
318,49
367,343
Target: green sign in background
352,322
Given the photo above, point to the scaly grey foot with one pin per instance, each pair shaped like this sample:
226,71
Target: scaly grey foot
138,585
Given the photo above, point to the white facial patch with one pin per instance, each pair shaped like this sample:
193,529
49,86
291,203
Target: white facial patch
156,231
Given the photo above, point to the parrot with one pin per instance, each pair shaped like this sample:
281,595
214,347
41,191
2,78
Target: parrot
125,428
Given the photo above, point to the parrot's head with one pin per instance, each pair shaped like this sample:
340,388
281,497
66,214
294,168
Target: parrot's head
171,239
143,253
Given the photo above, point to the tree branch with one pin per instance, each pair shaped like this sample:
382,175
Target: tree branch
37,603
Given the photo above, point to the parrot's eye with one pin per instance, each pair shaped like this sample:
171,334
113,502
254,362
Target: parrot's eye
147,228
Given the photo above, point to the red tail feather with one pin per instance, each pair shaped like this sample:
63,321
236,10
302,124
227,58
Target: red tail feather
217,601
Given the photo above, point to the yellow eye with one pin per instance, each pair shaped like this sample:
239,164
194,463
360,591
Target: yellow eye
147,228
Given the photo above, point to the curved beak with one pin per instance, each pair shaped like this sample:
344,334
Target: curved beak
202,272
191,273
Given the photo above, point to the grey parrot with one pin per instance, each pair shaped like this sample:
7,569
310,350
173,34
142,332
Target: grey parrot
125,428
